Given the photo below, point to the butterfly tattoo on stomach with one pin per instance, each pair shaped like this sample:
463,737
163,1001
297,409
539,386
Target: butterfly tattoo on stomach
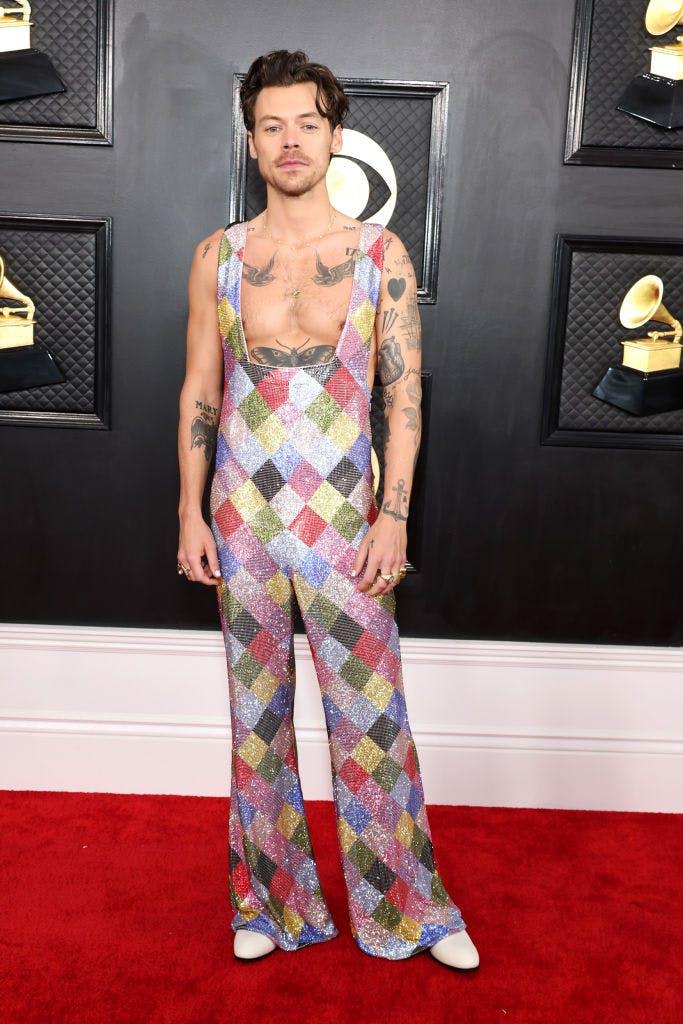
295,355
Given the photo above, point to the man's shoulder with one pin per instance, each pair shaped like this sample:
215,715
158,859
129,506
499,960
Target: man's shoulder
395,251
205,258
391,238
210,243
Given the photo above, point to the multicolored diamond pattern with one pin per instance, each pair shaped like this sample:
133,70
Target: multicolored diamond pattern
291,500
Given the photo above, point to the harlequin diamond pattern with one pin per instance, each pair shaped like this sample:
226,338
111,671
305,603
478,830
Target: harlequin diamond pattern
291,500
272,486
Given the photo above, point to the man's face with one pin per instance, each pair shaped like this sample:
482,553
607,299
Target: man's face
292,142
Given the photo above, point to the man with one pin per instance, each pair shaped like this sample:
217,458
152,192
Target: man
311,303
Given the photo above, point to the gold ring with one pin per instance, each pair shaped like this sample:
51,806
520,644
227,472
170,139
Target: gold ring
183,569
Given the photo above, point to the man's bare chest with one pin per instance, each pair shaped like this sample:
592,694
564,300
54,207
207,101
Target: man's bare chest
295,305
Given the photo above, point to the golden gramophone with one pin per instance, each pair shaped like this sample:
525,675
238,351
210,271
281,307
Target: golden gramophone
24,71
16,321
650,378
657,96
23,362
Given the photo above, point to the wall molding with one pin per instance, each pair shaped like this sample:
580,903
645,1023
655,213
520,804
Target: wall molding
496,723
209,642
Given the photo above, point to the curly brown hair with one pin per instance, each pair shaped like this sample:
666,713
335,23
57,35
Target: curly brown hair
280,67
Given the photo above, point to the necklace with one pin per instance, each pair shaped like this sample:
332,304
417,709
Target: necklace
298,245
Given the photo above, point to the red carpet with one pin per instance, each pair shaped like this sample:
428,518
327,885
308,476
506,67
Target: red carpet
115,909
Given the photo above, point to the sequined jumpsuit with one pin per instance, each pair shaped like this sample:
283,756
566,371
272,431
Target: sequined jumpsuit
291,500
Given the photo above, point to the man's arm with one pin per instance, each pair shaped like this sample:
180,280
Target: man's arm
399,349
199,408
397,333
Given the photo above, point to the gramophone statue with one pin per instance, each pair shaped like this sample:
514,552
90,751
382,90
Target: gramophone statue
24,363
24,71
650,378
657,95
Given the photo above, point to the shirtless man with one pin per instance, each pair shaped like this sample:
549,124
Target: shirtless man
311,305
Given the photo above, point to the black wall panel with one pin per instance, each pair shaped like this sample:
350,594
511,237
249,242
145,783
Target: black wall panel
525,541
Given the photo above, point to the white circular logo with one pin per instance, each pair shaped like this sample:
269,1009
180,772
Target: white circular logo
347,182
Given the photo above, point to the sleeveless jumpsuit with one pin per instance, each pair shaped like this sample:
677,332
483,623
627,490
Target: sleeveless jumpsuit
291,500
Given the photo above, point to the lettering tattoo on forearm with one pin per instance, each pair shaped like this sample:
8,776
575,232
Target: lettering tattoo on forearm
204,429
388,396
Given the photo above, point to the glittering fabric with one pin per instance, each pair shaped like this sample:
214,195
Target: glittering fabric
291,500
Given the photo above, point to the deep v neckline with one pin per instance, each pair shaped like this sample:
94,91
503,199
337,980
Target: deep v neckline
347,321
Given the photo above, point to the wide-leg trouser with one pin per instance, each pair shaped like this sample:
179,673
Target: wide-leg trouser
397,901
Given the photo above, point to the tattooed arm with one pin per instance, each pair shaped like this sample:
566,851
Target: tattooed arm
199,410
397,331
399,364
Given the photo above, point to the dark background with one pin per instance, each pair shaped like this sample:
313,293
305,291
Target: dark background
524,541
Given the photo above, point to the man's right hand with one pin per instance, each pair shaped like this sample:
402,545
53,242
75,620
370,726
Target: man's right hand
197,549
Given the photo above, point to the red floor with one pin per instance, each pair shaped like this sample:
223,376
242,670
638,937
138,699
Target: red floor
115,908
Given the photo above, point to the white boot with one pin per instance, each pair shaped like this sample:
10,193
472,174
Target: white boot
248,945
456,951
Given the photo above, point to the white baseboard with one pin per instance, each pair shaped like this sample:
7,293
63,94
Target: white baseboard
496,723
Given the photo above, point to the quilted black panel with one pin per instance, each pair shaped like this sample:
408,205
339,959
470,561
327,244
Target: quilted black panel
57,269
619,49
599,281
67,33
408,150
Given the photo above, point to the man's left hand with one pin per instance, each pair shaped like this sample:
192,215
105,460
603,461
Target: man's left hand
384,546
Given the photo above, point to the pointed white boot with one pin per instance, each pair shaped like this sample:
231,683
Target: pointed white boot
248,945
456,951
